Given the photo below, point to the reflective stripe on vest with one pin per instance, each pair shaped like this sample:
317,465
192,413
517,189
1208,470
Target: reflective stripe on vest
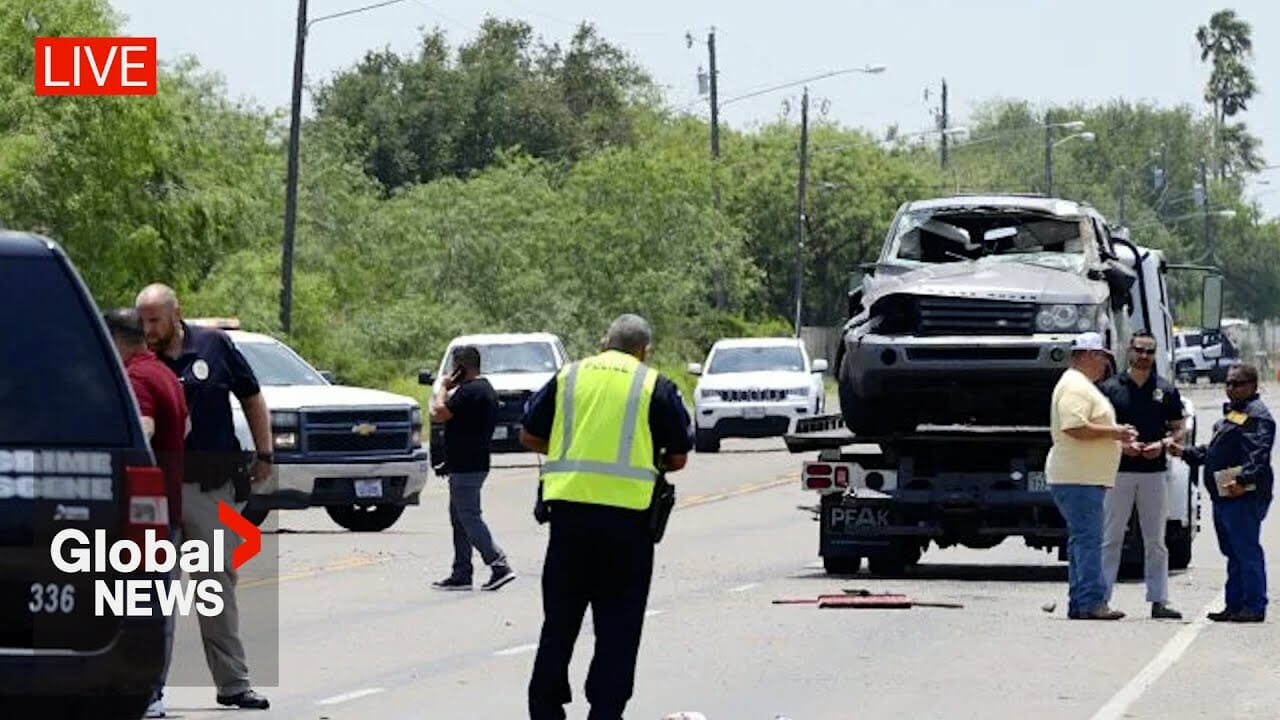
599,451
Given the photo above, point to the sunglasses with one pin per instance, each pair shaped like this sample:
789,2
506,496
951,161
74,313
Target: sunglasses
1237,383
1143,351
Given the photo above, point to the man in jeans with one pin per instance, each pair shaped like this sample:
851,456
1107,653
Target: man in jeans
1081,466
1152,405
469,415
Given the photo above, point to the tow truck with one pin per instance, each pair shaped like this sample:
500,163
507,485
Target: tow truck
887,496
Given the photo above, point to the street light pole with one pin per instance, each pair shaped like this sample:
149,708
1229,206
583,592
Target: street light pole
1048,160
291,172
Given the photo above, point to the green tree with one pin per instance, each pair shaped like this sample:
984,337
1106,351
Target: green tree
1227,44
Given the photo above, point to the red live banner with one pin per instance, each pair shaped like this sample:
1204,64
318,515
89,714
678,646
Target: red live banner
95,66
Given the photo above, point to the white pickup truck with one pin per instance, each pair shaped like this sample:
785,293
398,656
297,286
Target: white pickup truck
356,452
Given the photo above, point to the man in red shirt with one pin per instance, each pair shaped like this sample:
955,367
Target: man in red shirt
161,402
163,407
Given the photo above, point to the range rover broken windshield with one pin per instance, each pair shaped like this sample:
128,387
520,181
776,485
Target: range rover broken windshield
991,234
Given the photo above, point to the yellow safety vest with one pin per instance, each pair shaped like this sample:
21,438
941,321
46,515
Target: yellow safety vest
600,450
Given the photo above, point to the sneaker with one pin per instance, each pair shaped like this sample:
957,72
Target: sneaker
452,583
502,575
1162,611
156,709
1224,615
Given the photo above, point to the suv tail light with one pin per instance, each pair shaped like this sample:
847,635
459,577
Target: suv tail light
147,505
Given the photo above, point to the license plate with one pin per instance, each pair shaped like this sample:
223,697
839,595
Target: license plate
369,488
500,433
753,413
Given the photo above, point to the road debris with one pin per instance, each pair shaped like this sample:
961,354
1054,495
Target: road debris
862,598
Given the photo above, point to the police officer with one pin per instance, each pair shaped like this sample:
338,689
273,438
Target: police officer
608,425
1238,474
210,368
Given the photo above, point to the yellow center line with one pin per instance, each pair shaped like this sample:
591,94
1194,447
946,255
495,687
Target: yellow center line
347,564
696,500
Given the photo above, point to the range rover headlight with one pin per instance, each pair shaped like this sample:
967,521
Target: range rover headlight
1067,318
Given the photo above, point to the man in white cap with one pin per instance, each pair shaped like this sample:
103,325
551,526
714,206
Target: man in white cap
1081,467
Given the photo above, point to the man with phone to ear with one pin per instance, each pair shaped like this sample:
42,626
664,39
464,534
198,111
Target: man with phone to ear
468,406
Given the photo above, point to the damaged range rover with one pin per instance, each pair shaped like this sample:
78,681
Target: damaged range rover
967,316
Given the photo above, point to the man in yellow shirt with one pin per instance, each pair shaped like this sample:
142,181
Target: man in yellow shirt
1081,467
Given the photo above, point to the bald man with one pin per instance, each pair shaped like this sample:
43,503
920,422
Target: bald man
211,368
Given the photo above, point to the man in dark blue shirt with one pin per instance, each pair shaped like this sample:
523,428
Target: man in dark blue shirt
469,416
600,551
210,369
1238,475
1153,406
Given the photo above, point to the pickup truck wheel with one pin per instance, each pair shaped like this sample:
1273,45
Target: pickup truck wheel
1186,373
365,518
255,515
848,565
706,441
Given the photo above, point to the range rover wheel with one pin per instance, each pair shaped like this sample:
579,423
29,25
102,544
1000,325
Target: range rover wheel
706,441
365,518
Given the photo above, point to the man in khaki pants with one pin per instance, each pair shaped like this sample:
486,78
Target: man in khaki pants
211,368
1153,406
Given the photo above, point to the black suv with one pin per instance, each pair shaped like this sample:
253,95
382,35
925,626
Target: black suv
72,455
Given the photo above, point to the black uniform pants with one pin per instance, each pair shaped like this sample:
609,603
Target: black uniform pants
602,557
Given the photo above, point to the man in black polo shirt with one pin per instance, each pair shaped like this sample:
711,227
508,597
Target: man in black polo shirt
211,368
1153,405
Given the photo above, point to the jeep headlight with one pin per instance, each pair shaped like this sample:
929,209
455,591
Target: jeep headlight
798,392
706,394
1067,318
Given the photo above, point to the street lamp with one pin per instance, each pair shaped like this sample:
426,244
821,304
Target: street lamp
1049,145
291,173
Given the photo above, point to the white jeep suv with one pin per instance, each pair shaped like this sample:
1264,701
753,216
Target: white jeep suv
754,388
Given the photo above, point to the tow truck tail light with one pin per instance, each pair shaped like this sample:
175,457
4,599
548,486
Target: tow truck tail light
842,477
148,504
817,476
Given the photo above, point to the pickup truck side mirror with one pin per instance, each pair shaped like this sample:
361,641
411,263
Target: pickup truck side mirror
820,365
327,375
426,377
1211,310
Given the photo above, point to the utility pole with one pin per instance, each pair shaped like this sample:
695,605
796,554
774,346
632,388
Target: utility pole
943,121
801,188
291,178
715,97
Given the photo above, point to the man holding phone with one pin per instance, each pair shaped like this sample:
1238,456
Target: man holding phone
1153,405
468,406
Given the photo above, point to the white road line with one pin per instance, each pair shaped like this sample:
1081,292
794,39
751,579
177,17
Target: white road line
350,696
744,588
518,649
651,613
1172,651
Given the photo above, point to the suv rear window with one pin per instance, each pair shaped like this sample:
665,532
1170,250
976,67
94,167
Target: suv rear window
58,376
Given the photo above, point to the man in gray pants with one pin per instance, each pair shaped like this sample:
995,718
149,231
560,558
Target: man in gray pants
470,414
1153,406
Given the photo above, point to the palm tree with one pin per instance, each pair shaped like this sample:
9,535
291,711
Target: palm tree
1227,41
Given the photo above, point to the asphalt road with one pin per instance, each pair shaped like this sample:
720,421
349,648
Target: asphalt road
363,636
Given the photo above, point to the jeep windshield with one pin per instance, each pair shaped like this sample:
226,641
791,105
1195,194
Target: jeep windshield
756,359
278,365
521,357
985,235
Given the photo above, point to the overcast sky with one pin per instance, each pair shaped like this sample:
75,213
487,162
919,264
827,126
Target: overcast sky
1048,52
